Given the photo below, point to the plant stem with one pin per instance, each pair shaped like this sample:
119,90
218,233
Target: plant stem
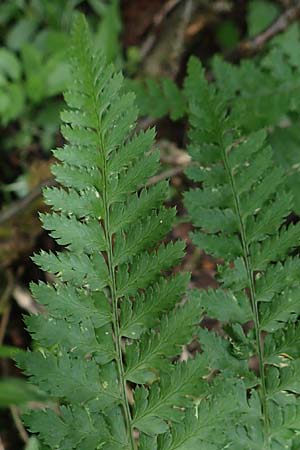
249,270
114,298
118,337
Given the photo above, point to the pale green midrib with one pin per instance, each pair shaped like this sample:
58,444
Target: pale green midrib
108,237
247,259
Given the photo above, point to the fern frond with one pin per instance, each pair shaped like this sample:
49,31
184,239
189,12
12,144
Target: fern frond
282,309
276,277
241,221
111,315
74,234
222,356
262,92
147,268
283,379
135,208
78,178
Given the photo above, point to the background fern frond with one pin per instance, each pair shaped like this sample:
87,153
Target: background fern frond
242,222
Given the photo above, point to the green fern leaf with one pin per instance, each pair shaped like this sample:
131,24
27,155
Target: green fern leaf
241,222
111,314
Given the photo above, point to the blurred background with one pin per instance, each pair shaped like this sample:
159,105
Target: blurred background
151,42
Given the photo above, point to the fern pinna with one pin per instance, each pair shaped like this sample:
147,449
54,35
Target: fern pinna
110,326
239,214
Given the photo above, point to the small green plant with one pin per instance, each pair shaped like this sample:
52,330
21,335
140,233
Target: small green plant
241,215
104,345
33,63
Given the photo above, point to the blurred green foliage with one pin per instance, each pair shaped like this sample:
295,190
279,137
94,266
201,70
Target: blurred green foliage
227,35
7,351
15,391
33,68
18,392
261,13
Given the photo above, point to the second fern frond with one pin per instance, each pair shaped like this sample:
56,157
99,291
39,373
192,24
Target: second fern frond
240,212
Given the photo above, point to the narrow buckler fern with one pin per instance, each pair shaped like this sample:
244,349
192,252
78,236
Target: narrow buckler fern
112,321
107,345
239,213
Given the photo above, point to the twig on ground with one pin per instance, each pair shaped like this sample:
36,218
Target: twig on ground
158,19
3,326
167,174
4,322
198,24
1,444
20,205
178,45
171,154
18,423
25,300
252,46
146,122
5,304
